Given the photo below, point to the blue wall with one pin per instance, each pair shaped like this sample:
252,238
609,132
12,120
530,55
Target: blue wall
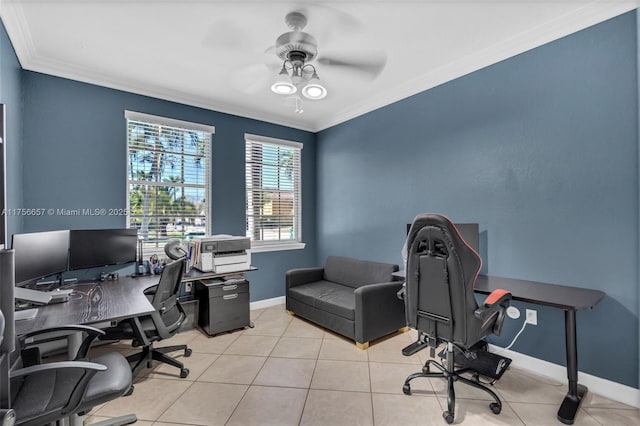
11,96
74,150
542,151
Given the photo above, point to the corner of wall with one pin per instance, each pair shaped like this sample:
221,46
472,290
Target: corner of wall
637,106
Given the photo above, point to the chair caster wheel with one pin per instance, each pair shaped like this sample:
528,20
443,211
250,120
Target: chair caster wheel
184,373
129,392
187,352
406,389
495,407
448,417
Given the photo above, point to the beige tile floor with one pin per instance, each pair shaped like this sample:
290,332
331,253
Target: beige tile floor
287,371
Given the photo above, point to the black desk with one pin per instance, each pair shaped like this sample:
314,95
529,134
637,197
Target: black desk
569,299
94,302
193,274
91,303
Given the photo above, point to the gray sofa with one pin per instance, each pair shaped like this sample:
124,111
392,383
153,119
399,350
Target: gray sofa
354,298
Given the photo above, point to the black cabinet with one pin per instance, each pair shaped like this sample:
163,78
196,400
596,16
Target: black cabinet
224,304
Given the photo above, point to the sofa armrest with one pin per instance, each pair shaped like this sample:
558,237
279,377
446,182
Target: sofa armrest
378,310
299,276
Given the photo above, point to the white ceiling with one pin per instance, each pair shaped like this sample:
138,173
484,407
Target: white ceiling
212,53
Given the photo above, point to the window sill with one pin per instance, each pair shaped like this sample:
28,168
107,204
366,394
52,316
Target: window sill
261,248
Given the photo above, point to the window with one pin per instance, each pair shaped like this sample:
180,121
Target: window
273,192
168,178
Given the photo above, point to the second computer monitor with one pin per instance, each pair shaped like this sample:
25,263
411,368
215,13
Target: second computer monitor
471,234
100,247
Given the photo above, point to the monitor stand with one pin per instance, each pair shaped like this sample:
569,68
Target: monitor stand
38,297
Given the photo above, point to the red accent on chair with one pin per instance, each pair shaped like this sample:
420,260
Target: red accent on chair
495,296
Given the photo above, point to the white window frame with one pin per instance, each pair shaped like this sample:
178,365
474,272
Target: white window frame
276,245
170,122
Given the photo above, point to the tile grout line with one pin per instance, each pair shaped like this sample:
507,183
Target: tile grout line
235,408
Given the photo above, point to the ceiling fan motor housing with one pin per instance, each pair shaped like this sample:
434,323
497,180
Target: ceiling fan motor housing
296,45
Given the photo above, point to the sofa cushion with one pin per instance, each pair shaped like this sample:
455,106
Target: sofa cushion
327,296
356,273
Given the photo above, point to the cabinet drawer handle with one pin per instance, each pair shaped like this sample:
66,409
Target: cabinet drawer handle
229,287
230,296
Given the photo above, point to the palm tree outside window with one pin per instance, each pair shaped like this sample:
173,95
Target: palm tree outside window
168,178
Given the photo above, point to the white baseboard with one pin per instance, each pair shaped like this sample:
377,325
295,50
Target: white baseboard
597,385
267,303
606,388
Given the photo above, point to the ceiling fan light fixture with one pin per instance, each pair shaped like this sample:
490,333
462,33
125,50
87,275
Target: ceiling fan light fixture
283,85
283,88
314,90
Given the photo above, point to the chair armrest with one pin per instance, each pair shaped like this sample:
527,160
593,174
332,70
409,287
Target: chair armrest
62,332
494,306
295,277
84,365
378,310
80,386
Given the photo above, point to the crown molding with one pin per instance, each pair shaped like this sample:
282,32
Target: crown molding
588,15
18,29
63,70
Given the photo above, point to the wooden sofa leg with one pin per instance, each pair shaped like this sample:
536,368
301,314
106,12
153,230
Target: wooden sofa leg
291,313
362,346
403,330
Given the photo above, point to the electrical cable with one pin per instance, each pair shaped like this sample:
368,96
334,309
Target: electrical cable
514,339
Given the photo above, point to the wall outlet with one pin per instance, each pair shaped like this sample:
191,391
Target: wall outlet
532,317
188,286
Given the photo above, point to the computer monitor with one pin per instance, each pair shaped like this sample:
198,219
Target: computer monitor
91,248
470,233
40,254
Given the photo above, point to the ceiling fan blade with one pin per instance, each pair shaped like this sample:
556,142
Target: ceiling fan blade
226,35
252,79
271,60
369,63
327,23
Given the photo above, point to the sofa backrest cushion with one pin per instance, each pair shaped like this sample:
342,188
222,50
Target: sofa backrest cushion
355,273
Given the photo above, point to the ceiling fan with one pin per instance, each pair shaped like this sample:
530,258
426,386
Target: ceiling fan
298,49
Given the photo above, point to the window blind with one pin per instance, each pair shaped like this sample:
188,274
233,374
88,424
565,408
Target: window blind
273,190
168,178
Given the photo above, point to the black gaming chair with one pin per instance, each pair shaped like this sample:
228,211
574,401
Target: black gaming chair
161,324
440,303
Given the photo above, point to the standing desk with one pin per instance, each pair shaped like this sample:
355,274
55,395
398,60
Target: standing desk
569,299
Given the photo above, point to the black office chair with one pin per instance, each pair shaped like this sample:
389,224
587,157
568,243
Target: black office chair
45,393
159,325
440,303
